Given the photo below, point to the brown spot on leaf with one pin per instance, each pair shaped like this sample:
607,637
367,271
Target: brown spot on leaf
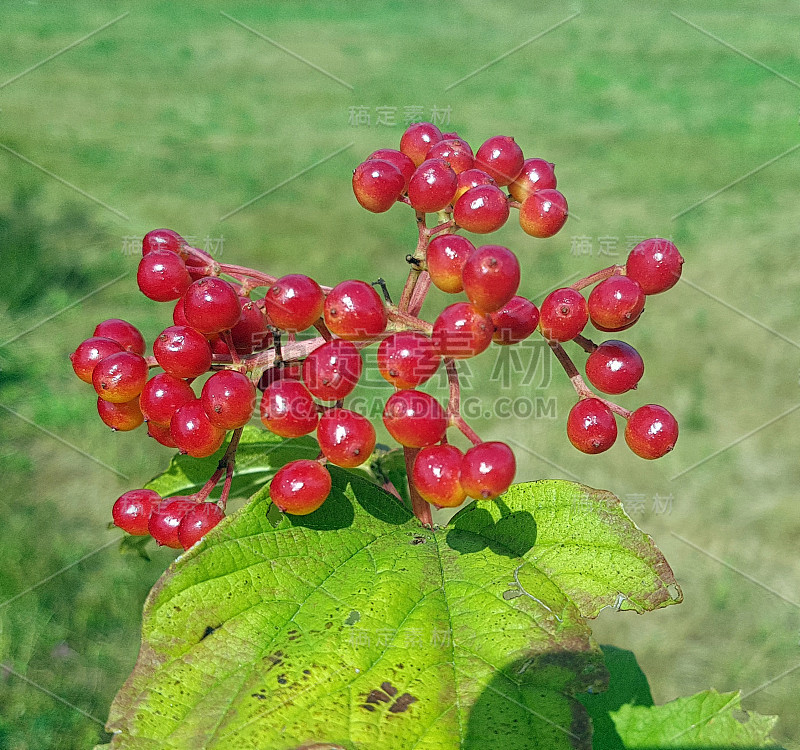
389,689
282,680
402,703
377,696
208,631
259,696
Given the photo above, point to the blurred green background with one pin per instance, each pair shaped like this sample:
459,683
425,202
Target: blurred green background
174,115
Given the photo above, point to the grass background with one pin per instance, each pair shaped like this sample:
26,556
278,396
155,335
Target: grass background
175,116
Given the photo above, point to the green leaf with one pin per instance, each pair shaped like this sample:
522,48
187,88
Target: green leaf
354,627
134,545
708,719
259,456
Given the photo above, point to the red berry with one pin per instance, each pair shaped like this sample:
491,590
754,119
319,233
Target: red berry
462,331
455,151
228,398
161,433
162,396
591,426
515,321
280,371
536,174
331,371
193,432
211,305
543,213
131,511
418,139
501,158
651,432
121,417
162,276
564,315
377,184
407,359
471,178
182,352
197,522
656,264
347,439
398,159
491,276
355,311
432,187
251,333
414,418
165,520
89,353
163,239
300,487
487,470
288,410
178,315
120,377
482,209
124,333
445,258
435,475
616,303
294,302
614,367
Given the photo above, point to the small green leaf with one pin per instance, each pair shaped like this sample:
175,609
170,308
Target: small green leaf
134,545
708,719
354,627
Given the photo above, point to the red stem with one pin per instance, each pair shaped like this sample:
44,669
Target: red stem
454,403
421,507
598,276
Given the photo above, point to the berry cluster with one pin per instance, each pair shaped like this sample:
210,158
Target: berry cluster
242,342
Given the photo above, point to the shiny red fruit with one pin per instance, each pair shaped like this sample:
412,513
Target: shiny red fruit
656,264
197,522
163,239
228,399
294,302
162,396
445,258
161,434
89,353
614,367
355,311
481,209
407,359
120,377
564,314
651,432
251,334
591,426
543,213
331,371
471,178
515,321
377,184
165,520
125,334
462,331
346,438
487,470
417,140
398,159
414,418
120,417
501,158
432,187
288,410
435,475
300,487
491,277
616,303
455,151
162,276
131,511
192,431
536,174
182,352
211,305
281,371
